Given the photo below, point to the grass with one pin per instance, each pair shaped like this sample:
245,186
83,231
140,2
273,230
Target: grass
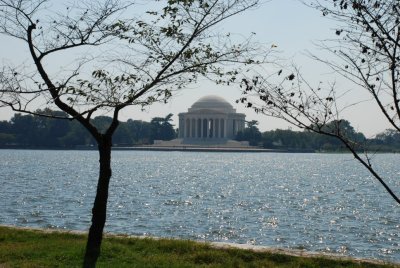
34,248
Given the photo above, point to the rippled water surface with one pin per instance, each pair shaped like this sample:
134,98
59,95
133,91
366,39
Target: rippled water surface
317,202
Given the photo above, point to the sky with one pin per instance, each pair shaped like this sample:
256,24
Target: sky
290,25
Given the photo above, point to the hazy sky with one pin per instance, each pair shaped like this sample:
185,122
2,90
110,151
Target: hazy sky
288,24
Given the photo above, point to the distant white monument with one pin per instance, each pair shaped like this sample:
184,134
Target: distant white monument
211,119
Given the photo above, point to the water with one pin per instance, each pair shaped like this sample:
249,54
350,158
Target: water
317,202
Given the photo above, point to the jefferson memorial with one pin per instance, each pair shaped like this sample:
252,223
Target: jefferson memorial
211,119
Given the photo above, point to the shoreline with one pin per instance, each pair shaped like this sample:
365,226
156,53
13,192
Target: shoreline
189,148
224,245
186,149
219,149
199,149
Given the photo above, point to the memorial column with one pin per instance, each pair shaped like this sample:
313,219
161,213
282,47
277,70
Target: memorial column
225,127
208,128
215,131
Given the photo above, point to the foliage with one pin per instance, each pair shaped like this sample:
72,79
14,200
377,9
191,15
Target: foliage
292,140
162,129
140,131
137,132
388,137
306,140
6,138
251,133
311,141
36,131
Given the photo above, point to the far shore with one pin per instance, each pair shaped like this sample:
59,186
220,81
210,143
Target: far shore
187,148
190,148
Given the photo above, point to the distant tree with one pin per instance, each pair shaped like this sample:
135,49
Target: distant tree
339,126
122,135
24,129
162,129
366,51
76,136
49,130
5,127
287,139
31,130
137,61
389,137
251,133
140,131
6,138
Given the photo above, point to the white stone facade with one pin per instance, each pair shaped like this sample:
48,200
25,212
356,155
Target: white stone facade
210,119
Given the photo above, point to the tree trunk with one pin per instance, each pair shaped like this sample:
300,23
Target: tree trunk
99,210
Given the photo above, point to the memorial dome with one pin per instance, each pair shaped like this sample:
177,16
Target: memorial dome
212,102
210,119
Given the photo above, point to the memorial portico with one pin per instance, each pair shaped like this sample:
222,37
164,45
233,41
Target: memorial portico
211,118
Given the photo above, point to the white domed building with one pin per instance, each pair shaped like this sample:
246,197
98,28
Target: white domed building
211,119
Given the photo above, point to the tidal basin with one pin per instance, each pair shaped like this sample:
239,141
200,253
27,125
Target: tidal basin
316,202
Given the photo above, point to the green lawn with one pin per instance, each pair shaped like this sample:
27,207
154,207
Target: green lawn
32,248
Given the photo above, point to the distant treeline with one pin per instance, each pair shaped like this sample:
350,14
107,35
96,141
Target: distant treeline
387,141
37,131
30,131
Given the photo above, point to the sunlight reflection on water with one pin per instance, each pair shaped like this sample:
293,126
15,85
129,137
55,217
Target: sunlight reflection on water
317,202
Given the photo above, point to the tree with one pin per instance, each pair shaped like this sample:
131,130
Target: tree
366,51
5,127
21,125
140,131
48,130
162,129
126,61
288,139
76,136
251,133
343,127
6,136
389,137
